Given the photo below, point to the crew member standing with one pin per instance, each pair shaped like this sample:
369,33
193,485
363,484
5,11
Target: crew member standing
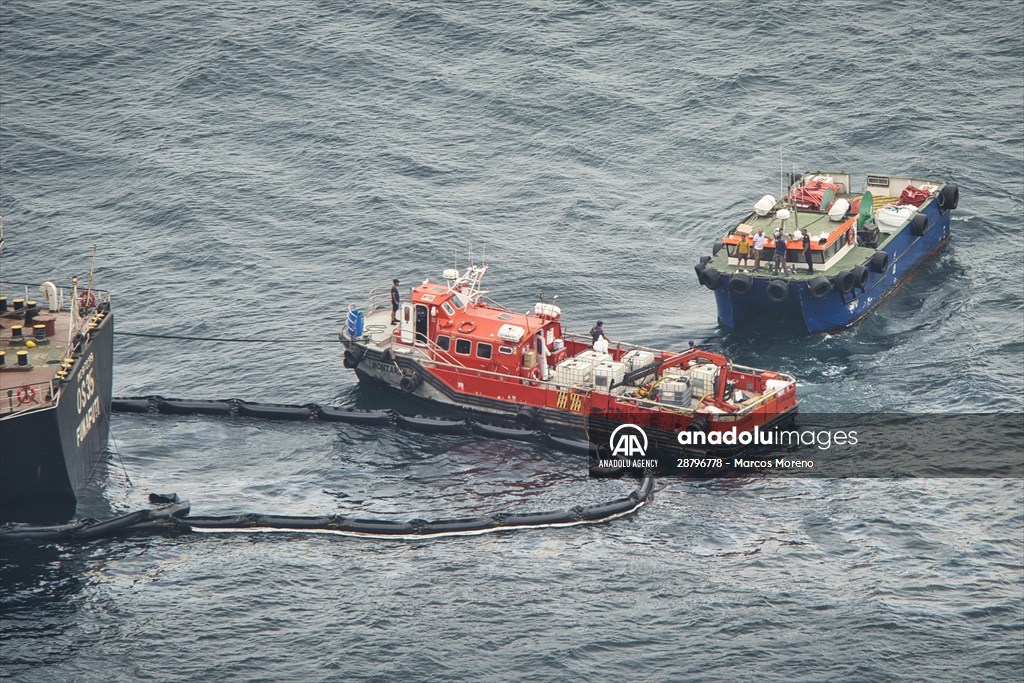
807,252
597,330
759,239
395,301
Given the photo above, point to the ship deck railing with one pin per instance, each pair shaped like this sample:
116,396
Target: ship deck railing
43,392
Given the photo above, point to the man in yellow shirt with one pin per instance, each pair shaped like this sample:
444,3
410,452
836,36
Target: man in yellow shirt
743,251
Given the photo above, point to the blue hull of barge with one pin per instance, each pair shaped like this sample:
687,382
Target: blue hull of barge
835,310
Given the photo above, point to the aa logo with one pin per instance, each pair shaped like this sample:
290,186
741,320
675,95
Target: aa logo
628,441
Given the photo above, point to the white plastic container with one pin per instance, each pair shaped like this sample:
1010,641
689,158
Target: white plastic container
607,373
676,392
511,333
775,384
637,359
572,373
838,210
593,357
764,205
702,378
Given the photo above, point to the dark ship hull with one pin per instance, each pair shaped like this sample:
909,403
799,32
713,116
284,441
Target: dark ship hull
49,454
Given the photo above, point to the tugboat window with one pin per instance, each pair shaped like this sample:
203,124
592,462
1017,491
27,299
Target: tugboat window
463,347
457,301
507,350
483,350
447,308
443,342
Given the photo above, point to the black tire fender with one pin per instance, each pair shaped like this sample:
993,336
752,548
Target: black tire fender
351,357
527,417
717,247
879,261
918,224
860,276
845,281
740,283
711,278
410,382
949,197
777,291
819,286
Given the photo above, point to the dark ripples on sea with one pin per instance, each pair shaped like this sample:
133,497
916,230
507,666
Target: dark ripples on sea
250,171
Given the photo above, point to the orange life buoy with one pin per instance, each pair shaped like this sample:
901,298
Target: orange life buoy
87,299
534,372
851,235
26,394
467,327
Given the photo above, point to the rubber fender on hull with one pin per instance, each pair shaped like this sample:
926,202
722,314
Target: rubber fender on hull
879,261
704,261
777,291
844,281
173,407
740,283
711,278
717,247
430,425
860,276
496,432
819,286
354,416
352,357
527,417
273,412
949,197
918,224
699,269
699,424
410,382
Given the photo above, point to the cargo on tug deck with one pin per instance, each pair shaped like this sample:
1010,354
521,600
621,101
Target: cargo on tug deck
452,347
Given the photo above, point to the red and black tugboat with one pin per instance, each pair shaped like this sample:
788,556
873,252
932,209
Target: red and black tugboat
451,346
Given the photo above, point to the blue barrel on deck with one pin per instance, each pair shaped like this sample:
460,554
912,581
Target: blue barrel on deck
355,323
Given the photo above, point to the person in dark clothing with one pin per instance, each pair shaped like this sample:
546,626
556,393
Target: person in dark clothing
807,252
597,330
395,301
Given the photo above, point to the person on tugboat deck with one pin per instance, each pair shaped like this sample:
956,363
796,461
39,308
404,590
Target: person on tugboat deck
597,330
759,239
743,251
780,253
395,301
807,252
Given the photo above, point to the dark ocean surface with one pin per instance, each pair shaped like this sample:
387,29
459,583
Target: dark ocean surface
249,169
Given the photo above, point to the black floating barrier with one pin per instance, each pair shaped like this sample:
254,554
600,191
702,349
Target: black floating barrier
431,425
179,407
273,412
365,417
315,411
130,405
496,432
174,518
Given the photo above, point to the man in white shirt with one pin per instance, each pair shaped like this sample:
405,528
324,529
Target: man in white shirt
759,239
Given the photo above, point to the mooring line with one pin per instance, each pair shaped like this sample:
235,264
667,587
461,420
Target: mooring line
235,340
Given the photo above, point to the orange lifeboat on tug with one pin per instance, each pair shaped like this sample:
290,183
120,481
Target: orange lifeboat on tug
452,346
